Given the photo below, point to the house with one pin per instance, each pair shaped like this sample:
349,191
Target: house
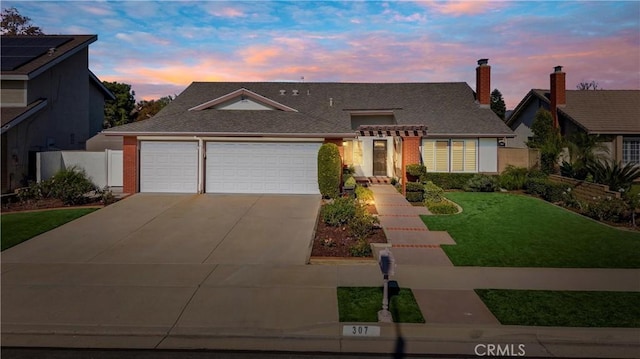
49,100
263,137
612,114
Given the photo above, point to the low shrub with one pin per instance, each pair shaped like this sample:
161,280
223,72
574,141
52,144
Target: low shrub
449,180
415,196
364,194
362,224
481,183
513,178
433,193
607,209
71,185
441,207
414,187
550,191
350,182
536,186
361,249
339,212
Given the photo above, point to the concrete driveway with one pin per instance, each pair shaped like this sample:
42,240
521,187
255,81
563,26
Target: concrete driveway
186,229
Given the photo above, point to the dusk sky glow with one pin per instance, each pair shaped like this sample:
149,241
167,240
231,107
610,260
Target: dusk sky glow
160,47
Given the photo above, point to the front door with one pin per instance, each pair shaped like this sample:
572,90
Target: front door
380,157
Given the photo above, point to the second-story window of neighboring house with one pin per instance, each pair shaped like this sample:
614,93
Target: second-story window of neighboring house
631,150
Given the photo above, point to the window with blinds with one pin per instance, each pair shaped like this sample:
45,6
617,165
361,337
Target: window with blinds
435,155
454,155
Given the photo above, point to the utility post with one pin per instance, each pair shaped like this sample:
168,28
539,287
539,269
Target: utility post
387,264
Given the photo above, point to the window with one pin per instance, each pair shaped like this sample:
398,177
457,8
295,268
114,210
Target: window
435,155
352,152
450,156
631,150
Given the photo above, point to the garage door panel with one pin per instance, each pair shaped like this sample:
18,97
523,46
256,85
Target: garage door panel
262,167
168,166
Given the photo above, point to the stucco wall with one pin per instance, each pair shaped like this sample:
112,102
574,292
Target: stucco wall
488,155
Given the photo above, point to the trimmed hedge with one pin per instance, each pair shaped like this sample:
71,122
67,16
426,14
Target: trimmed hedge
443,207
481,183
329,170
415,196
550,191
449,180
415,187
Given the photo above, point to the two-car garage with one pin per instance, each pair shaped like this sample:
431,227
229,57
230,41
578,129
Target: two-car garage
229,167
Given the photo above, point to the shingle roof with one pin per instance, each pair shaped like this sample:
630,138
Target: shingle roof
601,111
324,108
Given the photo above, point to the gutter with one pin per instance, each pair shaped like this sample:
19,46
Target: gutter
231,134
23,116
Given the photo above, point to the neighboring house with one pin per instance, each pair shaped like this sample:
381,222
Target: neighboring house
264,137
49,100
612,114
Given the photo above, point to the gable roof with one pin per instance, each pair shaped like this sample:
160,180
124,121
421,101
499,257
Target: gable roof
323,108
25,57
597,112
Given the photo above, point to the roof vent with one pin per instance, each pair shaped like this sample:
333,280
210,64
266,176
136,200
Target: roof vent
282,92
294,92
51,51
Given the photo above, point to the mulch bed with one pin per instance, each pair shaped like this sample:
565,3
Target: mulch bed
49,203
340,238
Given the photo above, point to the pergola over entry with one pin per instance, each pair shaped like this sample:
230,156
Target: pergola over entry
411,139
393,130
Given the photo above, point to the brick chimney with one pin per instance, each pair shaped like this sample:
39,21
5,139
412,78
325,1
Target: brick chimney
483,83
558,93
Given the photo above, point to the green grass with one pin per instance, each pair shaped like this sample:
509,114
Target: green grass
19,227
563,308
361,304
507,230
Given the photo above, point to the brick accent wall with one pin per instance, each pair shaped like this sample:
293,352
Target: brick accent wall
130,164
586,191
410,155
483,84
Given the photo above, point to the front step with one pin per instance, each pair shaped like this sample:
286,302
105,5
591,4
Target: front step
379,180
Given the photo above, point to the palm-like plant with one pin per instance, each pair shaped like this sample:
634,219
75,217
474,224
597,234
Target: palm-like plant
585,149
617,176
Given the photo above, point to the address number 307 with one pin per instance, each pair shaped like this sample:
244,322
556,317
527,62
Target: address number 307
361,331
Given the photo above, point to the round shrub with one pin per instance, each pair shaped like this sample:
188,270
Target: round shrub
513,178
414,187
71,185
329,170
339,212
414,196
442,207
481,183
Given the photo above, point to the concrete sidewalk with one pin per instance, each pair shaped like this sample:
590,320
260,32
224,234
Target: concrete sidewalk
278,307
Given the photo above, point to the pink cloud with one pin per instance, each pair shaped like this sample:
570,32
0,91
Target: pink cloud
228,12
458,8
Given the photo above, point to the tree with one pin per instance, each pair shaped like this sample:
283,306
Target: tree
583,86
497,104
13,23
147,109
119,111
547,139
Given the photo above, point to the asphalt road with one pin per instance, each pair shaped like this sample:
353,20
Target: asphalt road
56,353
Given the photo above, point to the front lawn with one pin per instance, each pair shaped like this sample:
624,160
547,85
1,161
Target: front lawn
563,308
19,227
361,304
508,230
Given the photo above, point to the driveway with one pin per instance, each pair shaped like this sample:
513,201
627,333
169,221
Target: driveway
186,229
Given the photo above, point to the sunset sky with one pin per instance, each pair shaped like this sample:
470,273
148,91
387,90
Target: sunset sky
159,47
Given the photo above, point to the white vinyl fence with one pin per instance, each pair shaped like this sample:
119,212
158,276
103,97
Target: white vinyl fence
103,167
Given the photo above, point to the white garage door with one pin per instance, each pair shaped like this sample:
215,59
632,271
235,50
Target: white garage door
169,167
246,167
